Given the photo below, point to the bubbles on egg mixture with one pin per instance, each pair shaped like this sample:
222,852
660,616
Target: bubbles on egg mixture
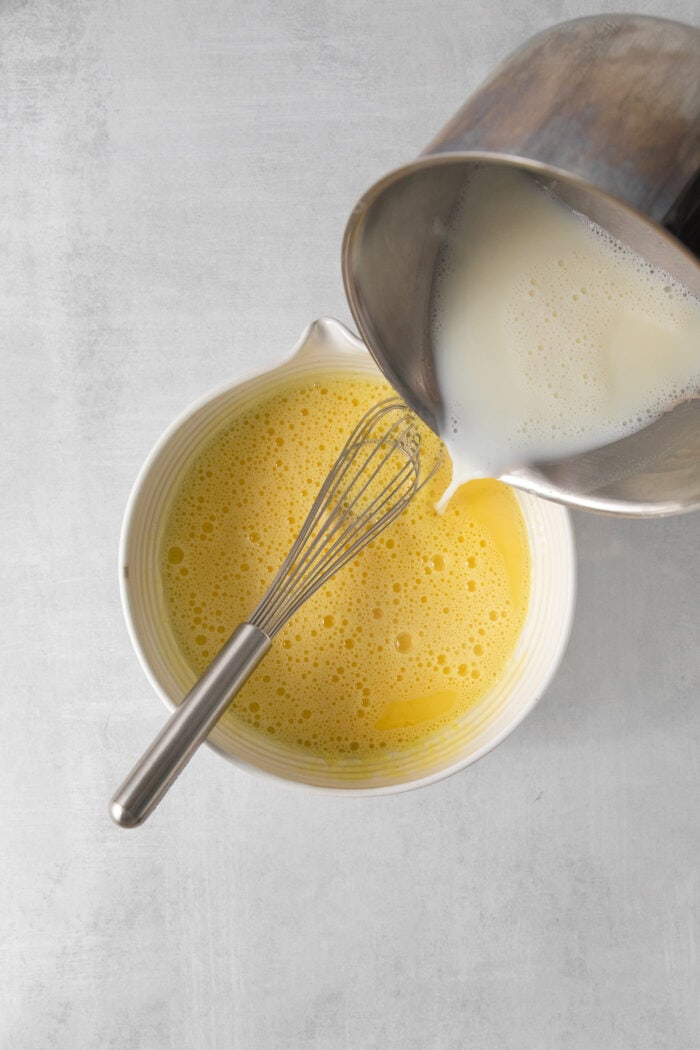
401,641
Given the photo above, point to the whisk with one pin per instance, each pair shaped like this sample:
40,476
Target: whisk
375,477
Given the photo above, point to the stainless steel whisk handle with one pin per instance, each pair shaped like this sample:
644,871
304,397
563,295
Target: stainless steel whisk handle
206,702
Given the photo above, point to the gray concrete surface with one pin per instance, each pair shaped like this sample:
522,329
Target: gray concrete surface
174,181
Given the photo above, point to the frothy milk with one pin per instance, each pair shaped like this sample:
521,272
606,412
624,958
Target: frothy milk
550,337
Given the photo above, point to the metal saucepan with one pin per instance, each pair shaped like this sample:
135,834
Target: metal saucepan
605,112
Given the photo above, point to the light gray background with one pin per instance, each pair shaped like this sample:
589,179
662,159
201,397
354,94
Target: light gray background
174,183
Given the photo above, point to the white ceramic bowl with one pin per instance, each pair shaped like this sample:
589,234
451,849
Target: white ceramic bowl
327,344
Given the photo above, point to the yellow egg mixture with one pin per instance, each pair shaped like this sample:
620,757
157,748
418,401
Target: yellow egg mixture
402,641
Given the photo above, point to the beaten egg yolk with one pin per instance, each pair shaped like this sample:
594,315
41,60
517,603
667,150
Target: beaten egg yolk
401,642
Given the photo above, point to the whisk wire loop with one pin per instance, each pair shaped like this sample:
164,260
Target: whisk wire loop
365,490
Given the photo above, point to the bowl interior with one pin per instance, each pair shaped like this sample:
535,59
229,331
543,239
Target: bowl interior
526,676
